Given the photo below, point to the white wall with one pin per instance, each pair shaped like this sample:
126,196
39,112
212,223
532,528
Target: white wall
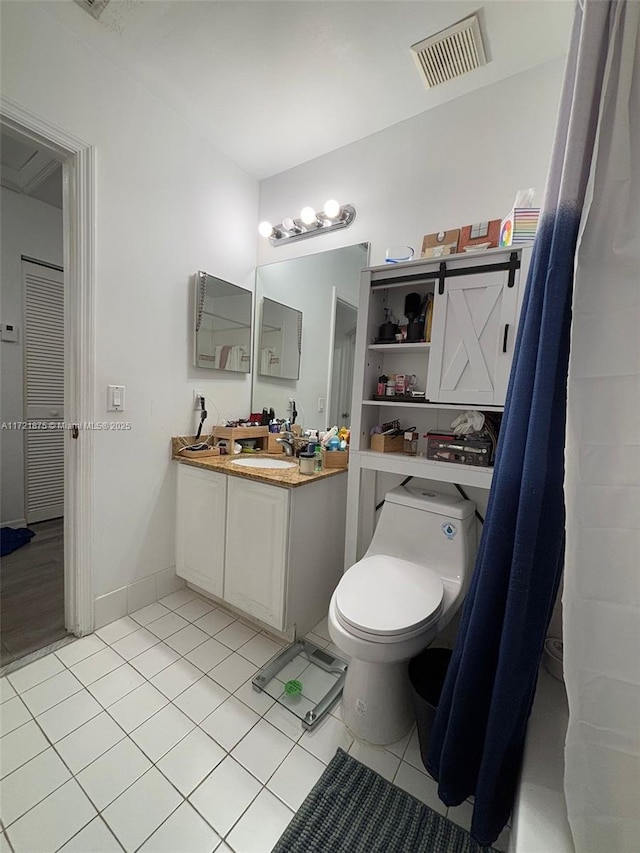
168,204
32,228
459,163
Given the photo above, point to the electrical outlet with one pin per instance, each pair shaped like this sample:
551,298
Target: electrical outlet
197,405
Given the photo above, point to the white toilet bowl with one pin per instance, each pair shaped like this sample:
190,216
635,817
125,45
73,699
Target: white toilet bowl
391,604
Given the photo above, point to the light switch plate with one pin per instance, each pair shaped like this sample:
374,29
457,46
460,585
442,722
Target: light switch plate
9,332
115,398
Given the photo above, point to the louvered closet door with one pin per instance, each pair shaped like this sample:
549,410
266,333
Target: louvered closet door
44,391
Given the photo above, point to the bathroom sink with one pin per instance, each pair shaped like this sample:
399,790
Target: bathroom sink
264,463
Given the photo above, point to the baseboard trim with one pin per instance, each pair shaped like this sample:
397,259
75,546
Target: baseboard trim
127,599
19,522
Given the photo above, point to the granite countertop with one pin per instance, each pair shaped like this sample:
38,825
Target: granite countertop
289,478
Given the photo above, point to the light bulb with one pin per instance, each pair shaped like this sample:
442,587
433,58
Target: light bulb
265,229
308,216
288,224
332,209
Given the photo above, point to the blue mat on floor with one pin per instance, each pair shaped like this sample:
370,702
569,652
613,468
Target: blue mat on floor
351,809
12,538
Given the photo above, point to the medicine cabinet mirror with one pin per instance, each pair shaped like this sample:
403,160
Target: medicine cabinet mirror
222,325
280,340
322,291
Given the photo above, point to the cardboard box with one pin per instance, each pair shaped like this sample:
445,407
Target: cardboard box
440,244
481,235
387,443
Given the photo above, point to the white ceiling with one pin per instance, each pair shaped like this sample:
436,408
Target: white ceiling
29,169
274,84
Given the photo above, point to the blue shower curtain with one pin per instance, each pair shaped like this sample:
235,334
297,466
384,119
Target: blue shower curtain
478,735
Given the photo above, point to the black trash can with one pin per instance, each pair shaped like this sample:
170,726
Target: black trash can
427,672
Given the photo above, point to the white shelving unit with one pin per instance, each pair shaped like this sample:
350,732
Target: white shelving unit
419,466
465,365
395,404
395,348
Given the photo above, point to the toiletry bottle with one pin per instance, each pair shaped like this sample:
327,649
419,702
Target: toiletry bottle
306,461
382,385
391,387
318,459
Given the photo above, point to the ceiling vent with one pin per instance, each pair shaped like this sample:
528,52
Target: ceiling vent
93,7
450,53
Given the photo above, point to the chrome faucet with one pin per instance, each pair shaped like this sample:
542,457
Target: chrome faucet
287,442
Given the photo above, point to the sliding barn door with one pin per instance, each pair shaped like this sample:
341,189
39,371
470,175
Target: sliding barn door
44,391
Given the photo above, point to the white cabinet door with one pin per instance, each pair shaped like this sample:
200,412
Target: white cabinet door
200,527
256,560
474,328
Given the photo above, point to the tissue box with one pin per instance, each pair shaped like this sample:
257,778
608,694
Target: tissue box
519,226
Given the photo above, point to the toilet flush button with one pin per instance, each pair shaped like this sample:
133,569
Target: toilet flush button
449,529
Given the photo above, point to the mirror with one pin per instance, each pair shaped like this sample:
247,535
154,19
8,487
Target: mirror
280,340
323,290
223,325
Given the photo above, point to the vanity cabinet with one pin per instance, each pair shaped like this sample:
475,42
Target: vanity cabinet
256,555
273,553
201,522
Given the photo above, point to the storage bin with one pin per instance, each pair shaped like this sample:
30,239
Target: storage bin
427,672
387,443
335,458
271,444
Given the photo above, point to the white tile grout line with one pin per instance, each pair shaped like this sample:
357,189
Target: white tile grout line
127,735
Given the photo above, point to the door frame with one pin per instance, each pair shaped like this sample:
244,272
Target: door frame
79,200
332,342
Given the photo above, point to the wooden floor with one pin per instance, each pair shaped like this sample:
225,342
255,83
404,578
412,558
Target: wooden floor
32,593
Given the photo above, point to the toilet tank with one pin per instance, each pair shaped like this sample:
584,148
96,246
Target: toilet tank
429,528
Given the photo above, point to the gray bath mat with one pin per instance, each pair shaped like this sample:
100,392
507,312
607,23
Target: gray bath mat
351,809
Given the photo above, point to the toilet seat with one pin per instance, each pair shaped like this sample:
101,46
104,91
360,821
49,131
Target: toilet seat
386,599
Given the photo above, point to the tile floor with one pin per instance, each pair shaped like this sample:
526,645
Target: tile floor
148,735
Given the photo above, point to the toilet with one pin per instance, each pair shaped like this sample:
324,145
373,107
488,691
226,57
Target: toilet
392,603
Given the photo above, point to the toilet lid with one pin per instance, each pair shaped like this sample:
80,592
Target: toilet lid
388,596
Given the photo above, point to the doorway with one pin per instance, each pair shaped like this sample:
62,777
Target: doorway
65,541
344,348
31,399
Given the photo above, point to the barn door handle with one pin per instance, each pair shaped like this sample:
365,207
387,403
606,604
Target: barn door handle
75,432
504,339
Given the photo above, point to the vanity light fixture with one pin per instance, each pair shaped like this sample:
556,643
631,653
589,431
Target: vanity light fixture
333,216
